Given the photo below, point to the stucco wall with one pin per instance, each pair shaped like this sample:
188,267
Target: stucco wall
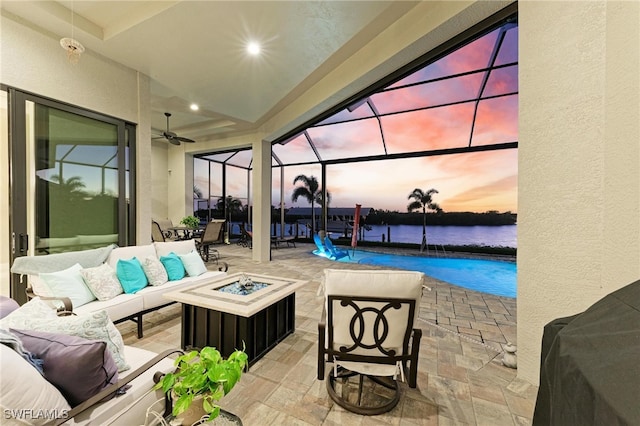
579,161
32,60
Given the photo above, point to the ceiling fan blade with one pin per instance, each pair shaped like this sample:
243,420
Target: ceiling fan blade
173,141
183,139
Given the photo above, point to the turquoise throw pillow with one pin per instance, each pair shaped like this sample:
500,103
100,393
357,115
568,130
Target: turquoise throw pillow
173,265
131,275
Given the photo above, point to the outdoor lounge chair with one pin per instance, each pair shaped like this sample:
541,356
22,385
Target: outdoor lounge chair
334,252
322,250
368,332
276,241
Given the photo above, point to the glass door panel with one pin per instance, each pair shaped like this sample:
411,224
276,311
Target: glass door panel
76,186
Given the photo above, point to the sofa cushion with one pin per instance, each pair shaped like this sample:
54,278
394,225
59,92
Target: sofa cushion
121,306
131,275
130,251
24,389
102,281
78,367
37,315
173,265
179,247
68,283
193,263
130,408
154,270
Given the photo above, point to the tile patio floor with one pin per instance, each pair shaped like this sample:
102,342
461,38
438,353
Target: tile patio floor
461,380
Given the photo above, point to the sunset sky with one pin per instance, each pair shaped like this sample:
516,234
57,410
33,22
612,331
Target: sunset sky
416,114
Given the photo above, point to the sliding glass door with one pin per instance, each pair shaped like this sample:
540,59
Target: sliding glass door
71,177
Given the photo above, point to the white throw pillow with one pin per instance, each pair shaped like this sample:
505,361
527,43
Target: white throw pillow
68,283
37,315
23,388
102,281
193,264
154,270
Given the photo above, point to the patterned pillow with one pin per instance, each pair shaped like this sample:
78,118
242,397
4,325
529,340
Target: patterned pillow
155,272
34,308
37,315
102,281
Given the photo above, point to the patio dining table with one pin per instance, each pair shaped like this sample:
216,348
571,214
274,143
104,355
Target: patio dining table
184,232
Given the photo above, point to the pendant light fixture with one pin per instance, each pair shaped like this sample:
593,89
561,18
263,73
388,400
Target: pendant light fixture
72,46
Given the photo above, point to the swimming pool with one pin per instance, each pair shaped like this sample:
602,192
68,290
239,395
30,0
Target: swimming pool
488,276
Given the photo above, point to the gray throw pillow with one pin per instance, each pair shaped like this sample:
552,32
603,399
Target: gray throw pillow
79,368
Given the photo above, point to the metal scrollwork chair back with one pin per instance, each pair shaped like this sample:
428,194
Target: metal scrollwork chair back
370,337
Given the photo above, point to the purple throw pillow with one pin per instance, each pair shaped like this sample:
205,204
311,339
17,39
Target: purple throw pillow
79,368
7,305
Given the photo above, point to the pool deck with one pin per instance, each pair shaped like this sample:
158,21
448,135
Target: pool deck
461,379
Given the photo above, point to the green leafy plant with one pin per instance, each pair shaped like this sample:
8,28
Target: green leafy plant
205,373
190,222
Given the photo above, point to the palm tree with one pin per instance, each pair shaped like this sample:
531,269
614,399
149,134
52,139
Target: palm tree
71,188
422,200
312,192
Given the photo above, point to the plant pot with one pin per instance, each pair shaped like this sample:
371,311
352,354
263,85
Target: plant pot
194,416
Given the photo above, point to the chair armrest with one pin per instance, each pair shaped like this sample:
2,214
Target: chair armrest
111,389
321,343
67,305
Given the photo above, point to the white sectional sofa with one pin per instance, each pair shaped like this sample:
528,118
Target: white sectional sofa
30,397
123,306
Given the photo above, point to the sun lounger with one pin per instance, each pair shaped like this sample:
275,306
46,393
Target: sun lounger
321,250
276,241
334,252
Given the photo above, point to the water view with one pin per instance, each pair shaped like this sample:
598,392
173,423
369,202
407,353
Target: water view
494,236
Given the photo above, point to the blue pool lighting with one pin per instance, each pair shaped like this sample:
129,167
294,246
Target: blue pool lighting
487,276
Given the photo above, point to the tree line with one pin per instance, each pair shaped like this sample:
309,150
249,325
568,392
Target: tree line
490,218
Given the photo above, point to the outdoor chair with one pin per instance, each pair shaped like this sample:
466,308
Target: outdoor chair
368,332
246,237
165,227
213,234
322,250
156,232
334,252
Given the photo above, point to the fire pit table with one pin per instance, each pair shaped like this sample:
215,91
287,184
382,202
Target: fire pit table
227,312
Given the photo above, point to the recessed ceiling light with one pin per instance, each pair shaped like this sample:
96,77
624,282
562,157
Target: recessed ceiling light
194,107
253,48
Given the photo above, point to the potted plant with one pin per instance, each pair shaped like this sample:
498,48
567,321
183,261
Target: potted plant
190,222
202,377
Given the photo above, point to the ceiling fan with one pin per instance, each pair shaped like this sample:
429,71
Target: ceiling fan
171,137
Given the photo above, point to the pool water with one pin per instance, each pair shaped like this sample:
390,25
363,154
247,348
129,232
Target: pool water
488,276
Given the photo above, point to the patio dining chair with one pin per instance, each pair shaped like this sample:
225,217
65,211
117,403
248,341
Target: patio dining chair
212,234
156,232
368,332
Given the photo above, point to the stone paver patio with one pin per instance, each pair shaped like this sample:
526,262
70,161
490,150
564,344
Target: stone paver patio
461,380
